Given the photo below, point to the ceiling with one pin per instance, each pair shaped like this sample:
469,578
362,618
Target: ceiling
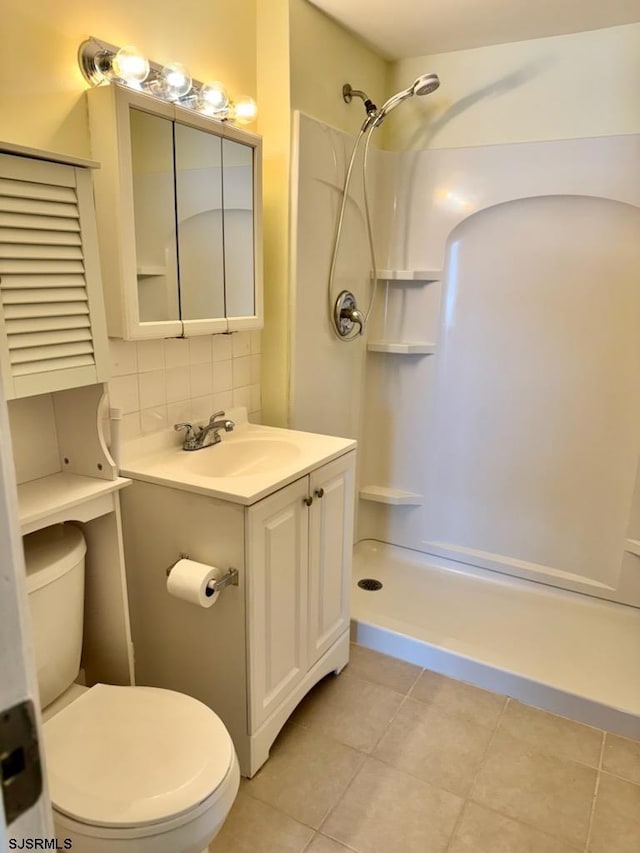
397,29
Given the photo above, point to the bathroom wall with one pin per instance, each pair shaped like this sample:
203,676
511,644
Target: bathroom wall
563,87
304,58
41,93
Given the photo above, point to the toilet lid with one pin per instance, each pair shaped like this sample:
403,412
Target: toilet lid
124,756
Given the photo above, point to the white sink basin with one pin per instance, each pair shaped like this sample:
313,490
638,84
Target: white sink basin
248,464
240,457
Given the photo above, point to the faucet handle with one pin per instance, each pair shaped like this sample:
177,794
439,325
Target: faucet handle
216,416
188,427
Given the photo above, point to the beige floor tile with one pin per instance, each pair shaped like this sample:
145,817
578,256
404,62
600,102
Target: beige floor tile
551,794
458,698
387,811
484,831
443,750
382,669
255,827
622,757
557,735
322,844
616,819
348,709
305,775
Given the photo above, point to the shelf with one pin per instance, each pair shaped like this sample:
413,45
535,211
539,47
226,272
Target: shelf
387,495
402,347
65,497
408,275
150,270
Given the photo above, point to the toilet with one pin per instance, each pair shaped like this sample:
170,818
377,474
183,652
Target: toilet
130,769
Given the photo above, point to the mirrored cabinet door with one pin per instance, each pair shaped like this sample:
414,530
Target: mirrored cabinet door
198,163
178,204
239,255
154,205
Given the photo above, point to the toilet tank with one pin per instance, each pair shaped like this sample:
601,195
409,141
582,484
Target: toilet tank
54,559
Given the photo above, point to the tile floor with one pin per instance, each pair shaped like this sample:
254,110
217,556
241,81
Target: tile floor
390,758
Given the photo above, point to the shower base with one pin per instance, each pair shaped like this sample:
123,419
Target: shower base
567,653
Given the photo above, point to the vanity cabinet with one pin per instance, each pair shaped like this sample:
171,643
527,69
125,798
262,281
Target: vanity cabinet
299,544
178,204
52,326
260,648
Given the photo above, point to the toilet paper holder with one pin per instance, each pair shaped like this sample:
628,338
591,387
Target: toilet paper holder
229,578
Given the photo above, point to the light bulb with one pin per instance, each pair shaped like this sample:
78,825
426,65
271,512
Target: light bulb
130,65
244,110
213,99
175,80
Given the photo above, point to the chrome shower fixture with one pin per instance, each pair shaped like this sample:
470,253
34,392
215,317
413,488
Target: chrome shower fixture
348,94
424,85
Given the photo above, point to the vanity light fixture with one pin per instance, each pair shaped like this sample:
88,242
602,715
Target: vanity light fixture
101,62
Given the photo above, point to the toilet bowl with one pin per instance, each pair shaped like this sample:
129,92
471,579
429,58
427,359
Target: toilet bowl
130,769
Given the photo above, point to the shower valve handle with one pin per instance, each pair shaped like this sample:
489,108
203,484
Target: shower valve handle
354,315
346,315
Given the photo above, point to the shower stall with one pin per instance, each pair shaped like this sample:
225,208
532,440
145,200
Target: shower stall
495,397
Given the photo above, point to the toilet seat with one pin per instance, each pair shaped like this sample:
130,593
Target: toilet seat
110,763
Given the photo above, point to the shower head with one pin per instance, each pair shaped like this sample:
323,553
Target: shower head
424,85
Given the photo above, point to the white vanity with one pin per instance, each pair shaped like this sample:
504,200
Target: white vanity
275,504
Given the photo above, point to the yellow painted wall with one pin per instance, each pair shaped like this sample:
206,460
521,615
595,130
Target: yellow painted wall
579,85
274,121
324,56
41,87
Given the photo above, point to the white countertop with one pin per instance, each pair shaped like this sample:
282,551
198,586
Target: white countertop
159,458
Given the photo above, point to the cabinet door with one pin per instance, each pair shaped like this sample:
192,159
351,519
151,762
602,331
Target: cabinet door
277,553
330,549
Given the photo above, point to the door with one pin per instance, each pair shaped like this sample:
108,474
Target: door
330,549
277,561
24,804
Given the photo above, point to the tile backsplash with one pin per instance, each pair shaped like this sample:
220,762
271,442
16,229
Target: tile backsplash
159,383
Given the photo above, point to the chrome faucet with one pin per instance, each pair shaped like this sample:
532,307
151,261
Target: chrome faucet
197,440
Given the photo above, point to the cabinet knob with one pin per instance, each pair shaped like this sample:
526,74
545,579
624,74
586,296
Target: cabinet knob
319,493
308,501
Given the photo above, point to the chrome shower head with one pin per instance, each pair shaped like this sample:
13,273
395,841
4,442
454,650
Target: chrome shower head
424,85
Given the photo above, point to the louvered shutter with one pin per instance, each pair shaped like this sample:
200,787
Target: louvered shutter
49,279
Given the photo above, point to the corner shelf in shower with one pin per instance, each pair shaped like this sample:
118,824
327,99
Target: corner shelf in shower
387,495
150,271
402,347
408,275
632,546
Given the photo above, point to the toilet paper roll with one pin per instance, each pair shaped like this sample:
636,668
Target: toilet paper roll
188,580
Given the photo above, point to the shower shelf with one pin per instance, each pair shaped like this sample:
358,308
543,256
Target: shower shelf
402,347
387,495
149,270
632,546
408,275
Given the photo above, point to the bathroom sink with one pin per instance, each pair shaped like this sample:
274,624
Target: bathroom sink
240,457
246,465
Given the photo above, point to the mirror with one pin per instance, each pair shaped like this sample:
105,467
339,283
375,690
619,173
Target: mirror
238,228
194,221
154,214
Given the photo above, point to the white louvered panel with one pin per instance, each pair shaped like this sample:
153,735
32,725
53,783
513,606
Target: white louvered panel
30,296
29,189
39,236
20,251
53,364
45,223
10,282
47,352
47,324
37,207
47,337
50,309
47,277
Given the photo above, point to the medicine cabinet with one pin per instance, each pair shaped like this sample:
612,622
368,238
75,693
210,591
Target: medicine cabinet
178,204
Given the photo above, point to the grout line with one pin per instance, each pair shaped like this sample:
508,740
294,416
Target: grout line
595,793
476,774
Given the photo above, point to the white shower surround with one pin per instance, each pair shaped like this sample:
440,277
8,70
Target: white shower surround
421,196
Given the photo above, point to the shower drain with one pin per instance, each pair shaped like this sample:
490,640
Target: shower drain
370,584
